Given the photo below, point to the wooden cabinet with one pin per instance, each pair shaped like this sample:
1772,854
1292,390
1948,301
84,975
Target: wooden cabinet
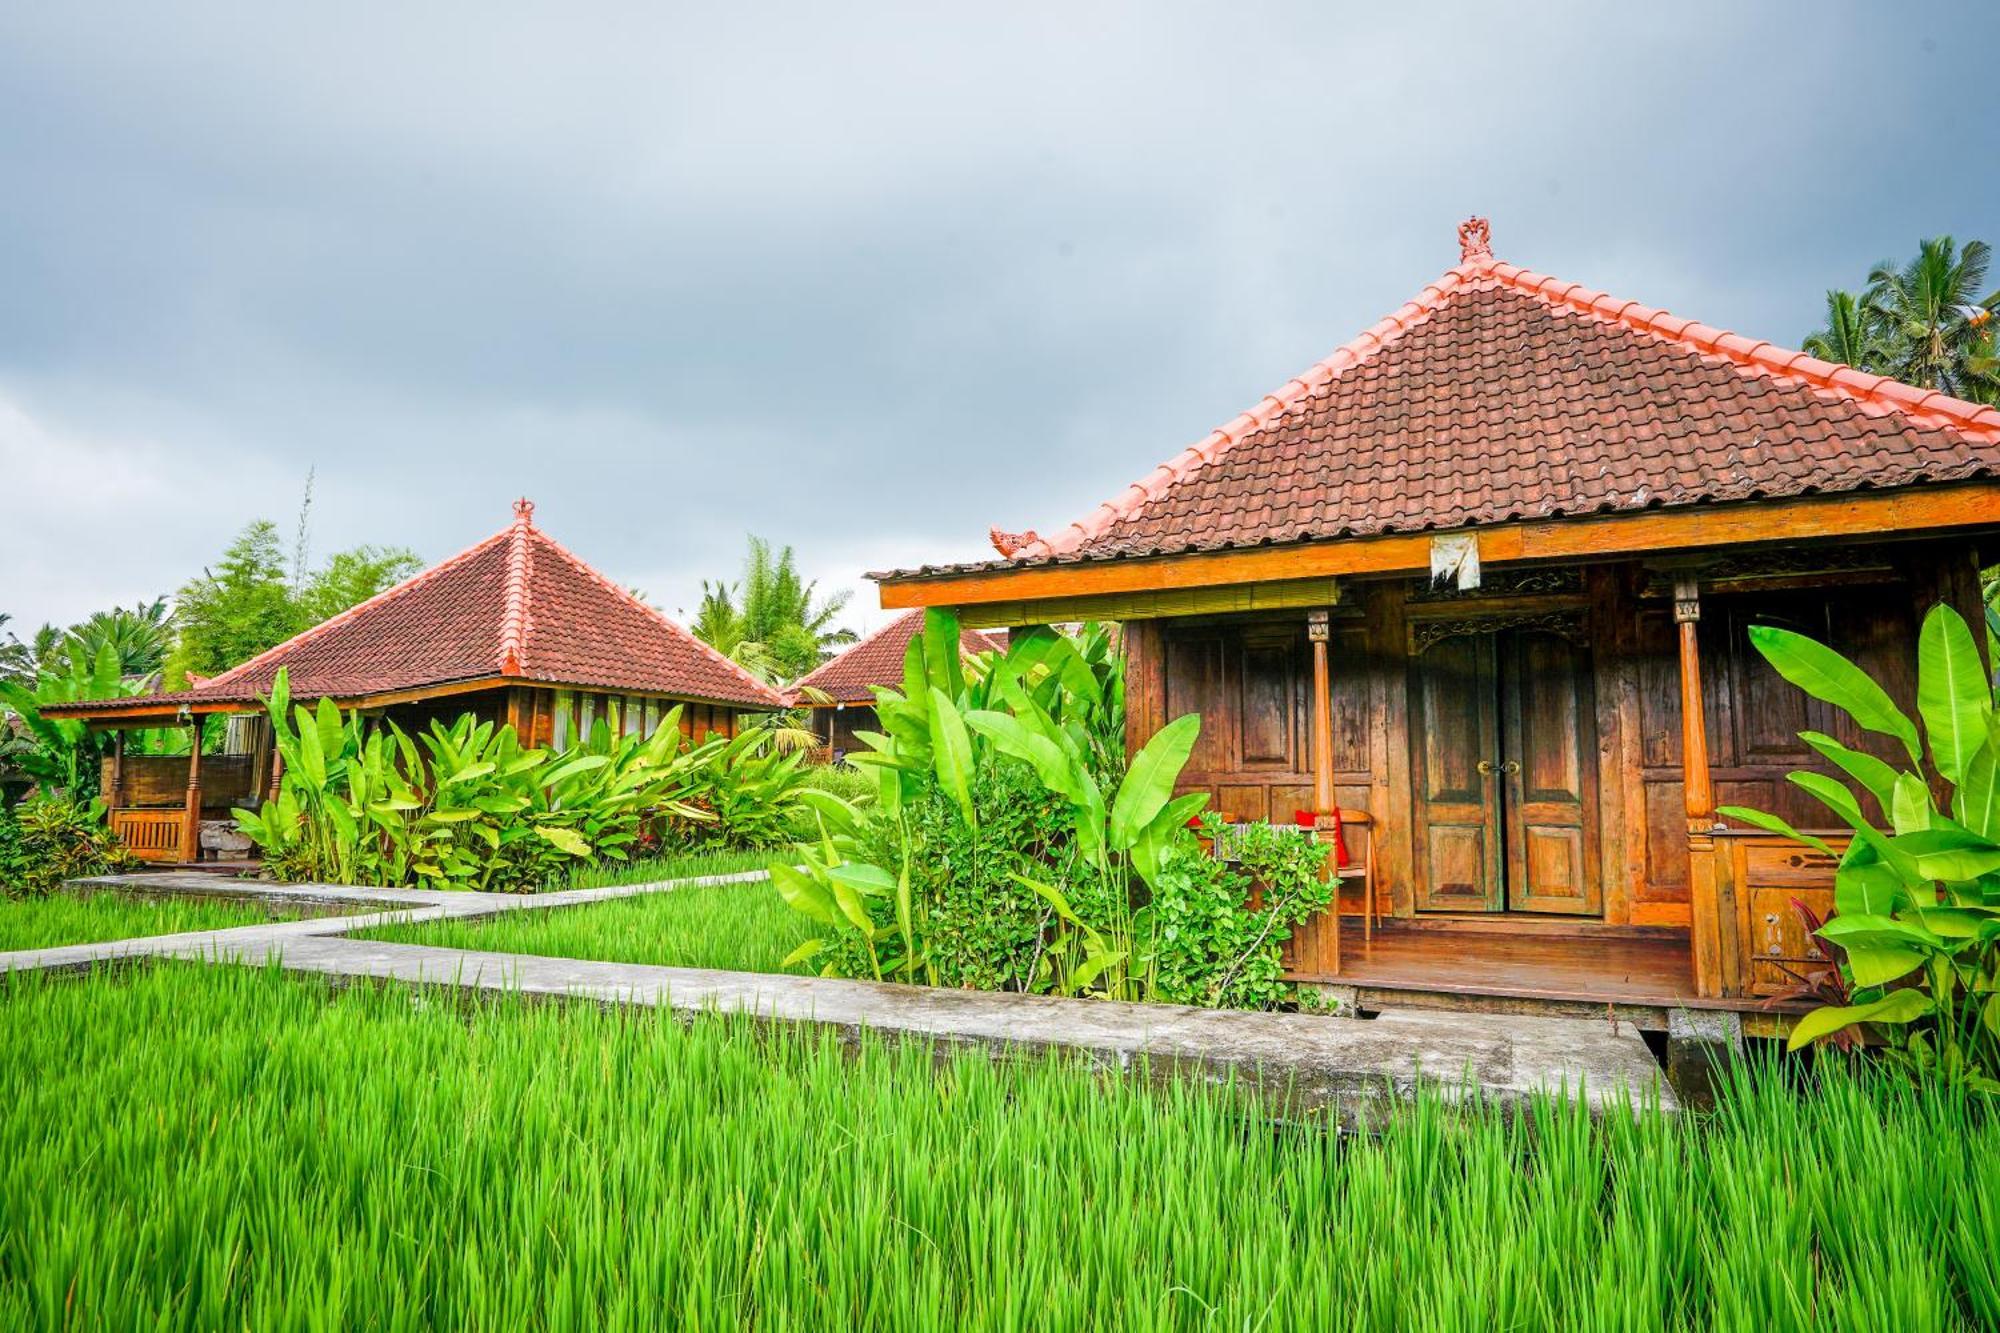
1763,874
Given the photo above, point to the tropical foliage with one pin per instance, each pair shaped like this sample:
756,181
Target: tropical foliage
1926,322
58,755
467,806
1916,924
739,793
771,621
251,599
48,839
1009,844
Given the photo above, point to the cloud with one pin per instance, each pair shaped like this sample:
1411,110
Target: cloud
864,280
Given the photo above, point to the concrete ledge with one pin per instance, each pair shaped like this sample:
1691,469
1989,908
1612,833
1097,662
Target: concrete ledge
1351,1068
1309,1063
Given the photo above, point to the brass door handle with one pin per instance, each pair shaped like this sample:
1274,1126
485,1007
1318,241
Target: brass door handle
1511,766
1487,768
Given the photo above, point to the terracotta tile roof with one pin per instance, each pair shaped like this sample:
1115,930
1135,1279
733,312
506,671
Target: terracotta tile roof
1501,394
517,606
877,659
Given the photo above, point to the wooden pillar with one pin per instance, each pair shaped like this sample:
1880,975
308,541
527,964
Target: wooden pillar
115,798
1712,929
1322,761
260,758
191,814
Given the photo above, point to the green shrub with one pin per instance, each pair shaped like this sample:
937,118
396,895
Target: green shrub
1916,928
47,840
1207,948
473,809
1010,846
740,793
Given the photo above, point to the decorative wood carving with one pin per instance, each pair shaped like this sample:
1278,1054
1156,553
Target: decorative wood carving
1570,624
1555,579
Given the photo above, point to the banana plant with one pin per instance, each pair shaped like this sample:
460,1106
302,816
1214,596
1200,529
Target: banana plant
1044,703
57,753
470,807
1916,902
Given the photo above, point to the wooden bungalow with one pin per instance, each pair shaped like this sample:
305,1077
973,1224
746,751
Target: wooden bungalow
515,628
1482,577
841,691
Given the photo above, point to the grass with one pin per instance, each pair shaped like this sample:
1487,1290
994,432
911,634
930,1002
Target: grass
186,1147
735,927
45,922
675,865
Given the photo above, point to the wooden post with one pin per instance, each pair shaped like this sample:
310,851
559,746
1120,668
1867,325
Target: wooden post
116,796
1710,926
191,815
1322,759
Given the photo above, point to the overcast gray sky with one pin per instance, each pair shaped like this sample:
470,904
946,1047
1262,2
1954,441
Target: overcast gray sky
861,279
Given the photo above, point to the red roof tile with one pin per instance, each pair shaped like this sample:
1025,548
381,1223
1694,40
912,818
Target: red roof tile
517,606
877,659
1501,394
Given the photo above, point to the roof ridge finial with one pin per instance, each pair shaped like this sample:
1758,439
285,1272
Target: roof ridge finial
1475,240
524,512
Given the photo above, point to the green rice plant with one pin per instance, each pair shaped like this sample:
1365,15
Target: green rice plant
732,927
186,1147
662,868
57,919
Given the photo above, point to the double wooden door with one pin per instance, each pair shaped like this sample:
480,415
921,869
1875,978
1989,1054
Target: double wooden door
1505,774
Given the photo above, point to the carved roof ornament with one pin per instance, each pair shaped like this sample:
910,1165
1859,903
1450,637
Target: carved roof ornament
1475,240
1006,543
524,511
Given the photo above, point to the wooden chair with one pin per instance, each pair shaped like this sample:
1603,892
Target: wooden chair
1362,868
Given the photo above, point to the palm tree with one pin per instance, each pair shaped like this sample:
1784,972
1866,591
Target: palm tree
1932,310
1851,336
140,637
772,621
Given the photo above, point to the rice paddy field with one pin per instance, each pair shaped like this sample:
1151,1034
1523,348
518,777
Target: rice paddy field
674,865
188,1147
735,927
51,920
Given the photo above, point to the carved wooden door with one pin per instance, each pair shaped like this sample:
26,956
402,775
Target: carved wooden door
1548,774
1504,775
1454,692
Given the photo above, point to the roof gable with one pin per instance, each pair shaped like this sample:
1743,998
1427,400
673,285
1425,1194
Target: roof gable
1501,394
515,607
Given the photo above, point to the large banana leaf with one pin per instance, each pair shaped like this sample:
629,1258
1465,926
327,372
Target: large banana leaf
1149,781
952,751
1826,675
1954,695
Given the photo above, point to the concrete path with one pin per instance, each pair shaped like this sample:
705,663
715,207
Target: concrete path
1349,1066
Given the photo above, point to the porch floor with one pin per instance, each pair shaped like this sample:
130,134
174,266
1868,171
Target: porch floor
1643,978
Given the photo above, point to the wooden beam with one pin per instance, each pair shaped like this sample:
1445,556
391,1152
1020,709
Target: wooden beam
1914,510
1154,604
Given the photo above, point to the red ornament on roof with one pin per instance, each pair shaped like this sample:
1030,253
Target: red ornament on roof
1475,240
